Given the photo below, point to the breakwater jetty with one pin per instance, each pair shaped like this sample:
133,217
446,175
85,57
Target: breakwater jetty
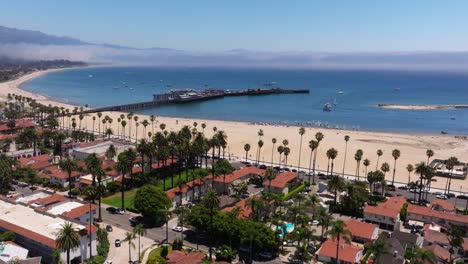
177,96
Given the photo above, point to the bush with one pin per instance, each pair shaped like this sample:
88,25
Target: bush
8,236
225,253
112,187
164,251
75,192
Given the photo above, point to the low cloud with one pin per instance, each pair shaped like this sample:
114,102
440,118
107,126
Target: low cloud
239,57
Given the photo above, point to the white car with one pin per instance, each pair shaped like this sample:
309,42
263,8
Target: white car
314,222
177,229
441,196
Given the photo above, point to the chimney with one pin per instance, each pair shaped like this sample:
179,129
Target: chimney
395,253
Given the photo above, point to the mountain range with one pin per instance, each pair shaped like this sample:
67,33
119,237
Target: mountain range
36,45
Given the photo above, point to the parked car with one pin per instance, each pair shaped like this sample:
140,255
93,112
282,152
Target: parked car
294,170
389,194
314,222
463,197
441,196
266,255
12,189
134,220
450,195
111,210
120,211
403,187
117,243
263,167
109,228
437,193
177,228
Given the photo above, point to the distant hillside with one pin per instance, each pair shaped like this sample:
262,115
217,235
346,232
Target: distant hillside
14,36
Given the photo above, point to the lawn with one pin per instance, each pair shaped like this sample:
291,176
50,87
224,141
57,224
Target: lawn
155,254
116,199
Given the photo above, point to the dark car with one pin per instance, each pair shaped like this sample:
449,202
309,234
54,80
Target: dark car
403,187
266,255
134,220
294,170
12,189
263,167
109,228
118,243
286,169
450,195
111,210
277,168
389,195
463,197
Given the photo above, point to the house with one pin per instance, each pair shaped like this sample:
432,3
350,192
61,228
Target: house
348,254
433,236
180,257
221,183
19,124
39,162
35,230
387,214
443,206
99,148
395,250
281,182
86,180
188,192
11,251
56,175
362,232
428,215
442,254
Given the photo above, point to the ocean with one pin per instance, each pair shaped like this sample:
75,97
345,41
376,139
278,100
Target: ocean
355,93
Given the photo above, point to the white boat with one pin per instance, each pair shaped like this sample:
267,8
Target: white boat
340,92
90,76
327,107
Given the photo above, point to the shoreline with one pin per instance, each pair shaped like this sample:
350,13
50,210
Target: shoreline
422,107
413,146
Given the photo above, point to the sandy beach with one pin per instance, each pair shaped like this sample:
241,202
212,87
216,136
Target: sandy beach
412,146
421,107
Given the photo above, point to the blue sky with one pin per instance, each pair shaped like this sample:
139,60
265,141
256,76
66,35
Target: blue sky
274,25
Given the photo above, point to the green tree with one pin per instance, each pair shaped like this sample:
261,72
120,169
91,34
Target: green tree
140,231
331,155
358,158
30,176
67,238
338,232
246,149
336,184
421,256
68,165
395,154
301,133
409,168
211,201
429,154
225,253
346,139
366,164
379,153
313,145
455,238
223,167
150,200
129,237
450,165
378,248
111,152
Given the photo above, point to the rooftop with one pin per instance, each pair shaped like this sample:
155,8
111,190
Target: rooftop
347,252
10,251
390,208
237,174
37,162
101,147
426,211
32,197
179,257
23,220
361,229
18,124
281,180
64,207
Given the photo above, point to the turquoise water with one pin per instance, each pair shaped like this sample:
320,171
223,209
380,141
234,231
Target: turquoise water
355,109
289,228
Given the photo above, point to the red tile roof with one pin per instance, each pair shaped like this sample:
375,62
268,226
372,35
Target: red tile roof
185,188
46,201
79,211
28,233
442,205
246,210
440,252
426,211
85,181
347,252
361,229
8,136
237,174
390,208
37,162
160,164
55,171
179,257
18,124
281,180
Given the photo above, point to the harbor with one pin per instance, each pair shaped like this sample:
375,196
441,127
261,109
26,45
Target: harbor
177,96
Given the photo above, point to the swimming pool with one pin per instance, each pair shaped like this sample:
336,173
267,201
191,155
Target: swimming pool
289,229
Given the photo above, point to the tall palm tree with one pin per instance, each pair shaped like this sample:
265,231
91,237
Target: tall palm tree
260,134
409,168
312,145
260,145
247,149
358,158
140,231
129,237
211,201
379,153
366,164
94,120
273,141
68,165
429,154
421,169
332,154
319,137
270,175
111,152
450,165
385,168
99,114
346,139
396,154
124,124
287,151
280,151
67,238
336,184
301,133
152,119
124,166
337,232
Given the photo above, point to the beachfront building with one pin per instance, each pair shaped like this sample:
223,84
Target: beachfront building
435,213
387,214
35,230
362,232
348,254
99,148
280,184
221,184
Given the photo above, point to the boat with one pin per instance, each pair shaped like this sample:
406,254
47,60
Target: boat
397,89
340,92
327,107
90,76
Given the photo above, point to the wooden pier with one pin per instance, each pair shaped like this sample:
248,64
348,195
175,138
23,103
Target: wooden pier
188,95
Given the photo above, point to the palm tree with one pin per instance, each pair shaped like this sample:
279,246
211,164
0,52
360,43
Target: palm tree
124,166
67,238
336,184
99,114
379,153
247,149
145,123
260,145
94,120
421,169
301,133
409,168
270,175
366,164
287,151
358,158
273,140
111,152
124,124
346,138
280,151
429,154
260,135
325,219
211,201
332,154
338,232
68,165
140,231
319,137
396,154
312,145
129,237
455,238
421,256
385,168
450,164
